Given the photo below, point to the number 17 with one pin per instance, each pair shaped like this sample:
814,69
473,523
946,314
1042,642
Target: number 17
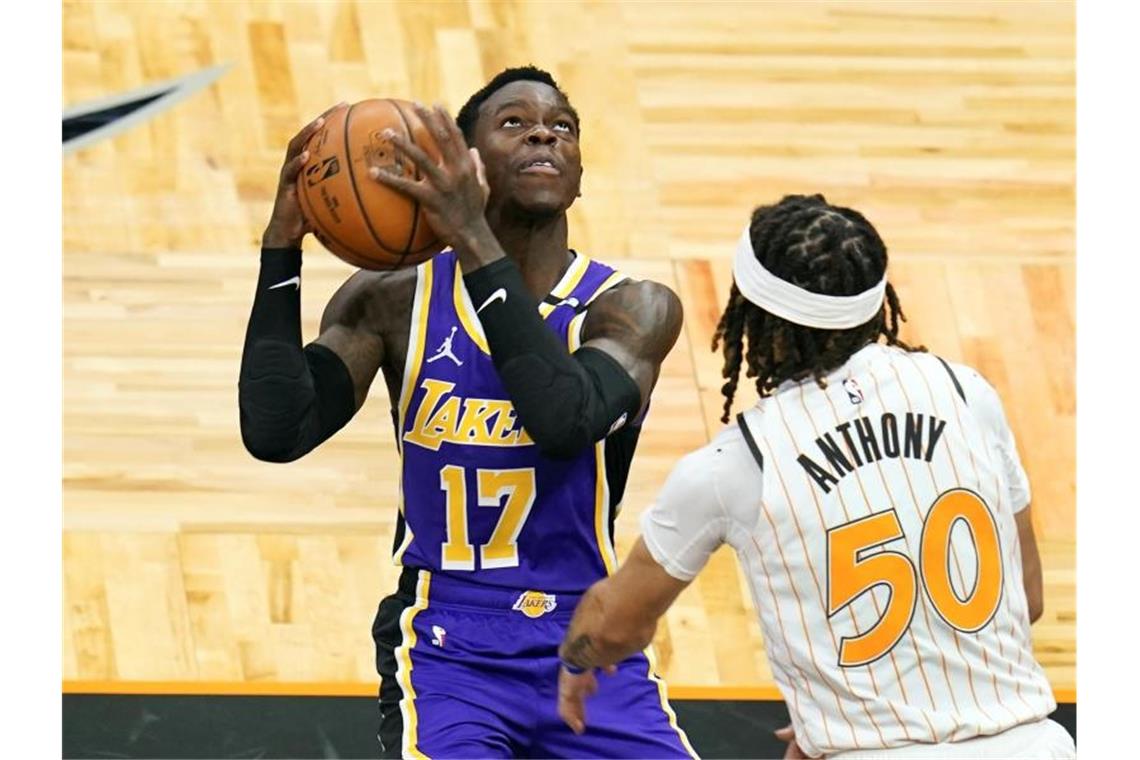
502,549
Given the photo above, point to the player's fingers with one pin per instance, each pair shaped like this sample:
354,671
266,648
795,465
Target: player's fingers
572,710
293,167
416,154
572,693
435,119
341,104
297,144
786,734
793,752
409,187
452,127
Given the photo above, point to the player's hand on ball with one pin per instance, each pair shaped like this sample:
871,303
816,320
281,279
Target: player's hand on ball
287,226
453,193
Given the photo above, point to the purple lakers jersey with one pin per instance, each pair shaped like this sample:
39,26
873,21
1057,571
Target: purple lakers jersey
479,501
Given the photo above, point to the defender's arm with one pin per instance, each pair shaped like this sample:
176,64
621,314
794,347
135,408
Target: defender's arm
1030,565
618,615
615,618
986,404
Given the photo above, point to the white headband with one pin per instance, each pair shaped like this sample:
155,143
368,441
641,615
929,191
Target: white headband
795,304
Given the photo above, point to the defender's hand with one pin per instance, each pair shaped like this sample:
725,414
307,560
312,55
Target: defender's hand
287,226
572,693
788,734
453,193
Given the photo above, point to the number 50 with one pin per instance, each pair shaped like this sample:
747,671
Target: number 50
849,575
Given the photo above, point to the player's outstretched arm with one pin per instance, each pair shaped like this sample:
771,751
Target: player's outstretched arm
293,398
616,617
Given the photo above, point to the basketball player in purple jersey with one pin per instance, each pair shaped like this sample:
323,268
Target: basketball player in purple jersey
519,372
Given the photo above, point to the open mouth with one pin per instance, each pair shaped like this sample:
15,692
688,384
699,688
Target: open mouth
540,166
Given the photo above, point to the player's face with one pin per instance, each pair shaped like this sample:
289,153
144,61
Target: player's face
528,139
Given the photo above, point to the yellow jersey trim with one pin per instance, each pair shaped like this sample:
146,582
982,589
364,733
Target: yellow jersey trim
602,510
574,331
404,665
663,695
608,283
417,336
398,557
466,311
602,486
469,318
566,284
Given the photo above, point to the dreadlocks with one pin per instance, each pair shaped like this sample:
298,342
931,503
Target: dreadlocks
822,248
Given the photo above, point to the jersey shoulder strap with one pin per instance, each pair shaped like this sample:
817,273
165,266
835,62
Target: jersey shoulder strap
953,377
750,440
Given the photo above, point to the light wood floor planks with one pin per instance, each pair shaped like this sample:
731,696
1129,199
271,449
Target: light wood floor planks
951,126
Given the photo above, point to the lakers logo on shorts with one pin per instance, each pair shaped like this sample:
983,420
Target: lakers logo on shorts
535,604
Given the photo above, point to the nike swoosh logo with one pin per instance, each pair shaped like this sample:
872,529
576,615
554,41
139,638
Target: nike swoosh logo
295,280
498,295
85,123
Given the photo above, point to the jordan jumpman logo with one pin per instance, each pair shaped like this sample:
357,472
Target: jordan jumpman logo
445,350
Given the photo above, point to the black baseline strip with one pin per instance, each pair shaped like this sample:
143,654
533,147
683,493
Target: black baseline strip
170,726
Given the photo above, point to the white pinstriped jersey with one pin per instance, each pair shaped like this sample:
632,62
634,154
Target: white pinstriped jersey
881,549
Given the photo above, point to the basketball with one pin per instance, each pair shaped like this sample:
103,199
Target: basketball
363,222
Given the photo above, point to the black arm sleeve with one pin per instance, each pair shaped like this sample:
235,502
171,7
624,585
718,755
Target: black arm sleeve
291,399
566,402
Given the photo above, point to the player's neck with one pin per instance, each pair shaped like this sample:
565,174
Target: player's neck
539,248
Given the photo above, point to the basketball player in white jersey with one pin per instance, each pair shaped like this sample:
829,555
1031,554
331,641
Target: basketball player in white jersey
876,502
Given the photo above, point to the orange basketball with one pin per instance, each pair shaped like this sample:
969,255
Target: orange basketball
363,222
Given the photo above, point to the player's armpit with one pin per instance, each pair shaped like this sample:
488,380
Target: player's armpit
1030,565
618,615
355,320
637,324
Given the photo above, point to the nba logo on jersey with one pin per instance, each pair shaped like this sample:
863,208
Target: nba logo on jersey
535,604
854,392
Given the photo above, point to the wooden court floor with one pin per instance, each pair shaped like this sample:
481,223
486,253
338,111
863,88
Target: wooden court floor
951,126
